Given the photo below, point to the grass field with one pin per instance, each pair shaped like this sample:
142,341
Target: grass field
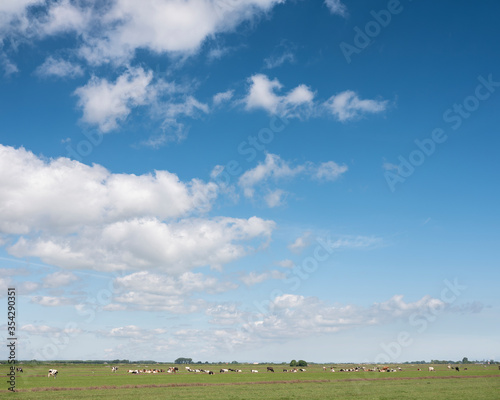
96,381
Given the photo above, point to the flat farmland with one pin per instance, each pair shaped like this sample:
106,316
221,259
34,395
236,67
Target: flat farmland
96,381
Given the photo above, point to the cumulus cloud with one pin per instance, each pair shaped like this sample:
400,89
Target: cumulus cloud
63,194
76,216
112,32
105,103
347,105
165,26
262,94
61,17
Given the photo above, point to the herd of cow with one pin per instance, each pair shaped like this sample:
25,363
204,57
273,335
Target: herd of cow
172,370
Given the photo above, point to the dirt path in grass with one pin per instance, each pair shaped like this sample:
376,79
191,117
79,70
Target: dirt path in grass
166,385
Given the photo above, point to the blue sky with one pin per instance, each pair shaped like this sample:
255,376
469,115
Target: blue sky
252,180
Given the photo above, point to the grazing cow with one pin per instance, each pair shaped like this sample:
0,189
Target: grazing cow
458,369
210,372
431,368
302,370
223,370
285,370
254,371
114,369
270,369
19,369
333,370
133,371
52,372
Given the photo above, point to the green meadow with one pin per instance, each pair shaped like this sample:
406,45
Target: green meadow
96,381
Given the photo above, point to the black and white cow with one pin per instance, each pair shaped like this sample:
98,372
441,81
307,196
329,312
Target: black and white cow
52,372
270,369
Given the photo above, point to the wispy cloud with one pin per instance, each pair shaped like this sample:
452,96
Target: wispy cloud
347,105
58,68
336,7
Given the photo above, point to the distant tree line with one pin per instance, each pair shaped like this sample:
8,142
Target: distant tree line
183,360
300,363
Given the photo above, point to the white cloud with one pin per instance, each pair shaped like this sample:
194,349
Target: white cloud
75,216
300,243
286,263
262,94
166,26
347,105
65,195
389,166
336,7
63,16
42,330
274,167
223,97
133,332
59,279
275,198
59,68
9,68
225,314
50,301
330,171
113,31
182,285
254,278
105,104
140,244
278,60
299,102
298,316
